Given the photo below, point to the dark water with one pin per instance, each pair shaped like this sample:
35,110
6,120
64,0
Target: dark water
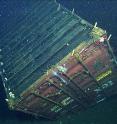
102,11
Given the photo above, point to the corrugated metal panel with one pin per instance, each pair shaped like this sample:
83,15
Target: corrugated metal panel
54,62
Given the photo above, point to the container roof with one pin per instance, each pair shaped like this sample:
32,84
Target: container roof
38,41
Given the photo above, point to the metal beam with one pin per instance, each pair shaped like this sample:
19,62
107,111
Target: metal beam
72,82
67,93
90,74
111,51
78,87
47,99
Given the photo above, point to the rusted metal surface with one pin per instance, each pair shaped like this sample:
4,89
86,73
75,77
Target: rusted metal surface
65,66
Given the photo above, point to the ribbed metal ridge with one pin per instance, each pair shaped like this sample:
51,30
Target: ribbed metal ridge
40,40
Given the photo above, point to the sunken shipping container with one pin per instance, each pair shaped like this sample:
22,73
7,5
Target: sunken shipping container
54,62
